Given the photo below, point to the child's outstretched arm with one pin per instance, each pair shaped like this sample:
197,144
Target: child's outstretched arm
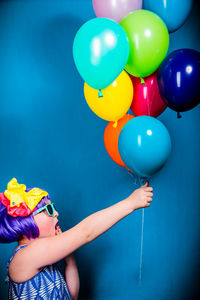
99,222
45,251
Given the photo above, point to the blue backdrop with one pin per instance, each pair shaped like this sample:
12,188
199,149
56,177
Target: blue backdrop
49,138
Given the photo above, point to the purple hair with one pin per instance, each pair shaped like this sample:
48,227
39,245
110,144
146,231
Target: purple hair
12,229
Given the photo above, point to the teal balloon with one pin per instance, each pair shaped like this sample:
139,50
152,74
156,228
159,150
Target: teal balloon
173,12
144,145
100,51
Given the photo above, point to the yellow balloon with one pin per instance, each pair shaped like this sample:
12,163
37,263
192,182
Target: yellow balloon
116,100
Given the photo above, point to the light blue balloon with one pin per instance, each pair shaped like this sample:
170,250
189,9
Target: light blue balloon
173,12
144,145
100,50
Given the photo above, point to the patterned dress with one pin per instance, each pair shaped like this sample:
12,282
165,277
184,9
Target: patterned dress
47,284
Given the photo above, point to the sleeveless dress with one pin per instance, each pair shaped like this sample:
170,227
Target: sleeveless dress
48,284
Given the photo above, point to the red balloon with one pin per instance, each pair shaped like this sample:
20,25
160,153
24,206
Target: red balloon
146,99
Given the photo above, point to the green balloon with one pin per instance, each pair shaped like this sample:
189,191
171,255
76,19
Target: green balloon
149,41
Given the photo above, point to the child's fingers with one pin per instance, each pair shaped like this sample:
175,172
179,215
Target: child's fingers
147,189
59,229
149,194
149,199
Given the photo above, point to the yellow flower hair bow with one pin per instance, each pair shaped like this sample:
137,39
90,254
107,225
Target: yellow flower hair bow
17,194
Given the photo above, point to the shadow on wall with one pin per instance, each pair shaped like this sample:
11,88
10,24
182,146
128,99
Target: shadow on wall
184,36
191,288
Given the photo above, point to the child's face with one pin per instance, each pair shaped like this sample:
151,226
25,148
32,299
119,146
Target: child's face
45,223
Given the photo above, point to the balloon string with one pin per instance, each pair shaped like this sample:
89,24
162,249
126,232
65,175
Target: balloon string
141,256
141,181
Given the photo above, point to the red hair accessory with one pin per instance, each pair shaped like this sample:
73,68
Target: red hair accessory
15,211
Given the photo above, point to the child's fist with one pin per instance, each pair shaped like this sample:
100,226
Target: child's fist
141,197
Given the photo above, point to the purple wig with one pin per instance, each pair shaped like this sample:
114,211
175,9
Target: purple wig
12,229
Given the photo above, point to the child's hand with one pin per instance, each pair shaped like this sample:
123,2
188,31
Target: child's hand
58,230
141,197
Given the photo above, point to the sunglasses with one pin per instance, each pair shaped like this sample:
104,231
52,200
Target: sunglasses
50,209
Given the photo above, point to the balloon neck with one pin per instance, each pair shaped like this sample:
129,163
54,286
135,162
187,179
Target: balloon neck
142,80
179,115
100,95
115,124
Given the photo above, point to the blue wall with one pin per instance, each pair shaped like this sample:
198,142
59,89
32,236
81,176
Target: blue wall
50,138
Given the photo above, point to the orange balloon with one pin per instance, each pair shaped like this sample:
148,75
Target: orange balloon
111,136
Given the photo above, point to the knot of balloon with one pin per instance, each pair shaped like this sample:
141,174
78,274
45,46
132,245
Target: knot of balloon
115,124
100,95
179,115
142,80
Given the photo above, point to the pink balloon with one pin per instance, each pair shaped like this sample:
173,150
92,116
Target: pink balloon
146,99
115,9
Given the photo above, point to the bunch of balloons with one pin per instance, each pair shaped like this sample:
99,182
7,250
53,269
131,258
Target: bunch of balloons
121,56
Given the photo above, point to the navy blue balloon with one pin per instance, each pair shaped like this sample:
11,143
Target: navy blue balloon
179,79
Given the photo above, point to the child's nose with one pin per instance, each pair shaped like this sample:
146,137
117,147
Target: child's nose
56,214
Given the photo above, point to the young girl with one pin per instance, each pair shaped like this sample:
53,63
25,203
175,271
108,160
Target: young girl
28,217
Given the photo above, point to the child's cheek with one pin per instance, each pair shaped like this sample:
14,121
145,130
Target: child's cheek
46,225
46,229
